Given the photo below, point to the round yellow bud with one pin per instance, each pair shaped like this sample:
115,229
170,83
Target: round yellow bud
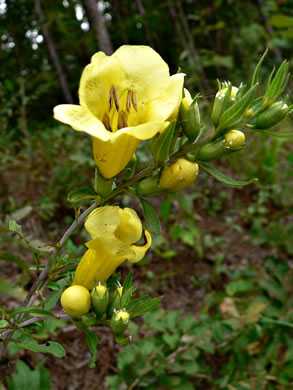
178,175
234,139
122,315
76,301
100,290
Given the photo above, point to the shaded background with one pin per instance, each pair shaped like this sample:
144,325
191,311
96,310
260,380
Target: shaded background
44,47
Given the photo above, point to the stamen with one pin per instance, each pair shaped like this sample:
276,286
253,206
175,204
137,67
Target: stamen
106,121
122,120
134,100
116,98
111,97
128,101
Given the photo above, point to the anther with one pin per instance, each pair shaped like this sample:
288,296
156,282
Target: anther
111,97
128,101
106,121
134,100
122,120
116,98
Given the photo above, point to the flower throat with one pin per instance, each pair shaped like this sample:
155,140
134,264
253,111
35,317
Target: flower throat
119,114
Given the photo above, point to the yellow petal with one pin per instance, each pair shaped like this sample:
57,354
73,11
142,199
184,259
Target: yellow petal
81,119
103,221
140,250
144,69
130,229
96,81
95,266
166,106
113,156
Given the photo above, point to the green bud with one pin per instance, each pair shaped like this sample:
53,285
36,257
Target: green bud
273,115
223,100
149,186
114,303
102,186
231,142
190,117
100,299
119,322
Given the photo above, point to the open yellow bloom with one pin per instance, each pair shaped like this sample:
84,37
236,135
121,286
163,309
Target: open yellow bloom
124,98
114,232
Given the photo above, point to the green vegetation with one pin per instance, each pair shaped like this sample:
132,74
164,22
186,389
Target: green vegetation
222,257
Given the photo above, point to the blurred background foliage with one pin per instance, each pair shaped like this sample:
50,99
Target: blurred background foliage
224,260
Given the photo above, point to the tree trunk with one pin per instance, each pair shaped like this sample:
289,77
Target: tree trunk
98,24
53,53
146,26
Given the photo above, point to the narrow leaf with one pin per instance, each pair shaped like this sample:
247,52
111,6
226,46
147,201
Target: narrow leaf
152,221
81,194
275,134
223,178
143,305
257,69
92,342
128,281
234,113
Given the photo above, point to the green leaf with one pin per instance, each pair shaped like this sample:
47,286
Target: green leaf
122,340
161,144
27,342
34,312
26,378
52,299
152,221
234,113
257,69
89,319
3,324
279,82
126,297
14,259
281,21
223,178
14,227
128,281
274,134
143,305
92,342
81,194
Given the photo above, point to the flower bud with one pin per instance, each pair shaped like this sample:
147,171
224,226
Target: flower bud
76,301
232,141
114,303
190,118
100,299
149,186
223,100
271,116
178,175
119,321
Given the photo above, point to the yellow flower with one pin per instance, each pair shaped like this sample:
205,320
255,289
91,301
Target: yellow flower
114,232
124,99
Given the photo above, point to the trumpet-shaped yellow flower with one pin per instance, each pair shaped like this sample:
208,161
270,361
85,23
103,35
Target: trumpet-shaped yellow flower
114,232
124,98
